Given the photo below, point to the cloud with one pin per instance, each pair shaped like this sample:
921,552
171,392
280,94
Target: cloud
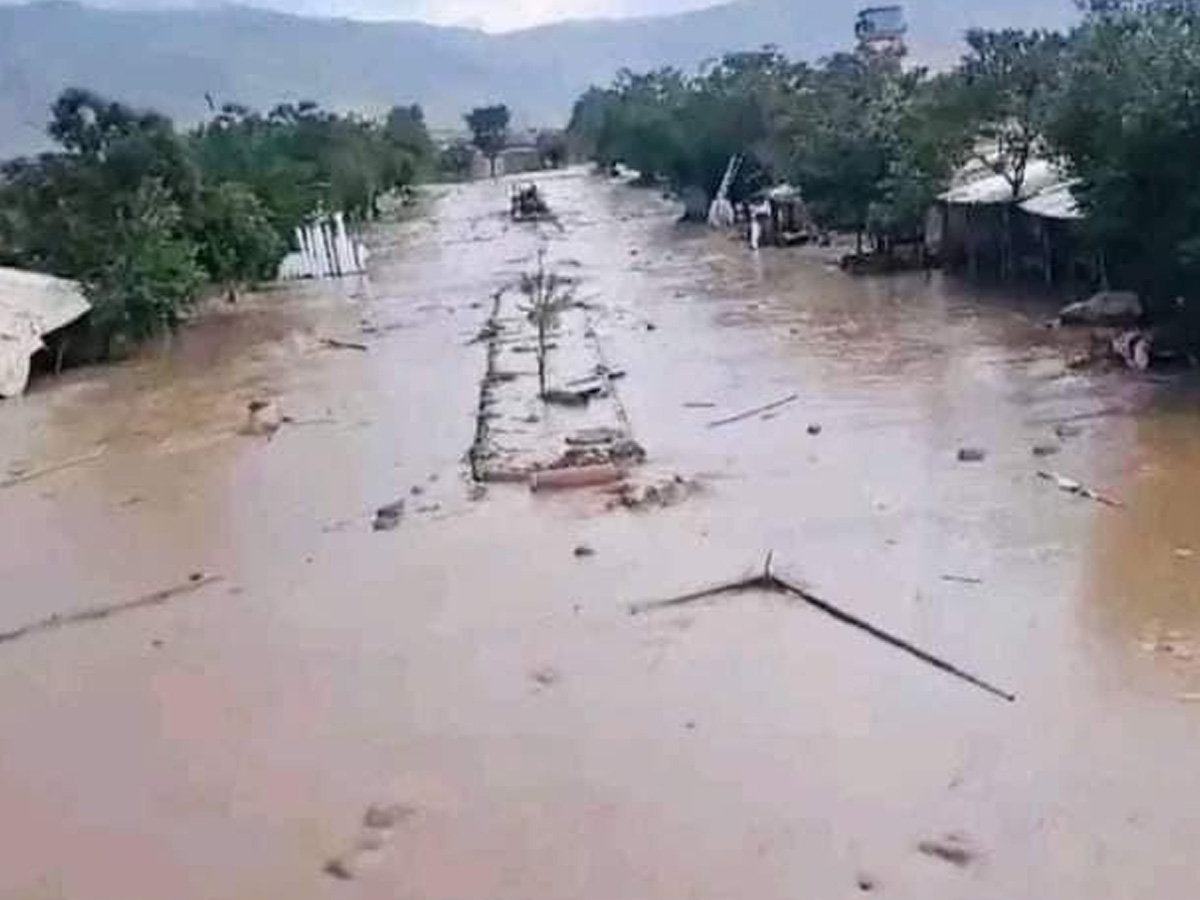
489,15
492,15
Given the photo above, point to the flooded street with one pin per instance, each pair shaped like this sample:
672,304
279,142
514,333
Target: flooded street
473,676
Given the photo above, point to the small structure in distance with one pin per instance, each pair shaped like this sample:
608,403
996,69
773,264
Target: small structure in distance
527,204
881,29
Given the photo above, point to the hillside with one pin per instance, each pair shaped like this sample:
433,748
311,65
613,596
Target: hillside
170,59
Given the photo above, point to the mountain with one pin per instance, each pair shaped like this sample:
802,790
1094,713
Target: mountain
171,59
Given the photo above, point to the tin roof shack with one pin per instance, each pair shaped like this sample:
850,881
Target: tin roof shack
978,226
1049,237
32,306
790,223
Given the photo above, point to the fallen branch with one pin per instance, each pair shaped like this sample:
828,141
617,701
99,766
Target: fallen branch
1106,412
55,622
1071,486
751,413
769,582
324,420
962,579
35,474
335,344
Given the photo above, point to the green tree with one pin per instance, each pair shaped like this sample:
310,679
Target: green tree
237,243
455,160
1009,82
489,130
591,131
1128,123
151,276
552,148
405,130
109,209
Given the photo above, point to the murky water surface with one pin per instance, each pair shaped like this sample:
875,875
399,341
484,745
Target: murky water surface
544,743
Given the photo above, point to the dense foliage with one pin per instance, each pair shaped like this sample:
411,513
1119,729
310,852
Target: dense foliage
1129,124
872,142
143,215
844,130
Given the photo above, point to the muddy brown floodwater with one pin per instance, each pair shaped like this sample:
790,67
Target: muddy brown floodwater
463,708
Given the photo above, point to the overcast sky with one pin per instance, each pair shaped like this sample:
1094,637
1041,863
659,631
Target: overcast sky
503,15
494,15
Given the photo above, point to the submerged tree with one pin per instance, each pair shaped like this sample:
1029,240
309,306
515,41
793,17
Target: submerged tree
112,208
1128,124
151,275
237,245
489,130
142,215
548,295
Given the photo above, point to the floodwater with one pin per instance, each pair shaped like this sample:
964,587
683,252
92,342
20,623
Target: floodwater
543,743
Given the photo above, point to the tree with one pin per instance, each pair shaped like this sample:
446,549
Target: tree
455,161
405,129
141,215
109,209
1128,124
489,131
590,132
151,275
299,158
1009,81
850,135
237,244
552,148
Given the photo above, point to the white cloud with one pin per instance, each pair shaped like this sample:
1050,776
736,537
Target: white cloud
492,15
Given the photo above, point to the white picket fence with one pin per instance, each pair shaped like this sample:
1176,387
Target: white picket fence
326,251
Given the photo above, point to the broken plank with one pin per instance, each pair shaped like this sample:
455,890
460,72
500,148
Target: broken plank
336,344
962,579
1071,486
769,582
757,411
35,474
157,598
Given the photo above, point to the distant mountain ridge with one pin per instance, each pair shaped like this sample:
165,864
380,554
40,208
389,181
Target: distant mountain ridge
171,59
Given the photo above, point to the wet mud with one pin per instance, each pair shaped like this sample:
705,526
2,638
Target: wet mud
460,706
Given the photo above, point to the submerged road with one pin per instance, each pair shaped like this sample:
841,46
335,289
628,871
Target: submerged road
463,708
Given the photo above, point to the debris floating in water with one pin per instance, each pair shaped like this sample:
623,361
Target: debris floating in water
387,518
770,583
953,849
758,410
1071,486
337,344
34,474
195,582
962,579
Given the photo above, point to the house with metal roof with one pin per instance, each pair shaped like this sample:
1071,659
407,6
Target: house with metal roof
980,226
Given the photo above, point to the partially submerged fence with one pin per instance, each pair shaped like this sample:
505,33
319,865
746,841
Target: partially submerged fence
326,250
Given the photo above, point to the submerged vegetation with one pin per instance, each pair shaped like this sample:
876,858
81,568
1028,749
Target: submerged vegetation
871,141
144,215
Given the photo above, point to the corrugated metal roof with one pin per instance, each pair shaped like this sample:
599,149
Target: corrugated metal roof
783,191
992,188
1056,202
31,305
